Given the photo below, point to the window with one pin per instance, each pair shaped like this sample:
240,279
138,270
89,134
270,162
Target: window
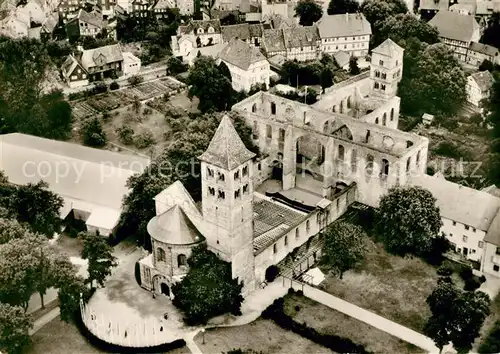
418,158
269,132
273,108
480,244
381,62
245,171
384,171
341,153
275,248
237,175
181,260
160,255
211,191
325,127
297,233
382,87
237,194
392,114
255,130
286,240
354,161
454,223
377,73
254,108
473,229
384,119
259,167
210,172
384,76
377,85
408,164
464,238
245,188
221,195
308,225
220,176
281,136
496,268
376,120
466,227
337,204
369,165
498,250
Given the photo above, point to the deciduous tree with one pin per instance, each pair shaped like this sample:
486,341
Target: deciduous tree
376,11
100,257
490,35
336,7
14,329
457,316
208,290
344,247
408,219
308,12
11,230
402,26
353,66
92,133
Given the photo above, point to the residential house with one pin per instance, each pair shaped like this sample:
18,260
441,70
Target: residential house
270,8
478,87
85,25
68,9
196,34
347,32
491,259
209,51
427,119
131,64
161,7
33,10
466,213
464,8
49,25
141,9
247,65
93,185
301,43
15,25
107,8
342,58
103,62
251,34
456,31
186,7
73,73
273,43
227,17
479,52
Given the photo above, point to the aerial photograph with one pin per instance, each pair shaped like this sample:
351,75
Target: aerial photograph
249,176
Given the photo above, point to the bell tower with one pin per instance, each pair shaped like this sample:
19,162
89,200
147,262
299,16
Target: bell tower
386,69
227,201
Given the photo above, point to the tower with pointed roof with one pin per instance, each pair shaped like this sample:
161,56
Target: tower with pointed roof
386,69
227,197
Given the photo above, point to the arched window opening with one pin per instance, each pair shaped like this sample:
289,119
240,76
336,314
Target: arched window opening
341,152
297,233
349,102
308,226
408,164
377,85
376,120
369,165
160,254
334,109
255,130
367,138
377,73
254,108
384,171
392,114
418,158
325,127
273,108
384,119
181,260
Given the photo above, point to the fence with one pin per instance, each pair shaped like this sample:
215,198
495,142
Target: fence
150,332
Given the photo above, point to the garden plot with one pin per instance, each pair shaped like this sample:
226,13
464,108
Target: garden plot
82,110
147,90
108,101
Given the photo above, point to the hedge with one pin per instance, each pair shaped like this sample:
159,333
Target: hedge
276,313
491,343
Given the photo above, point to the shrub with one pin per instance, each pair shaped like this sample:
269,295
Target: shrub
135,80
271,273
99,87
448,149
106,116
147,111
482,278
125,135
114,86
491,343
92,133
445,270
472,283
144,139
466,272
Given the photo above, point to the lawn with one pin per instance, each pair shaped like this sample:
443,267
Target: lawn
58,337
390,286
261,336
329,321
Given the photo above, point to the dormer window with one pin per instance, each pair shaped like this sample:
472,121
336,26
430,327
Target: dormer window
200,30
211,30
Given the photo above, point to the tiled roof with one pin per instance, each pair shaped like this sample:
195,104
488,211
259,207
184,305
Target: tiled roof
274,40
388,48
164,4
487,7
493,233
241,31
194,25
462,204
111,53
452,25
343,25
469,7
84,16
483,48
50,23
256,30
434,5
241,54
226,150
483,79
298,37
69,65
174,227
342,58
271,220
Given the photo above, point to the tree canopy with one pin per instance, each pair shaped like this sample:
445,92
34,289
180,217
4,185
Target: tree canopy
433,80
490,34
408,219
376,11
457,316
208,290
14,329
308,12
336,7
208,82
403,26
344,247
492,108
99,255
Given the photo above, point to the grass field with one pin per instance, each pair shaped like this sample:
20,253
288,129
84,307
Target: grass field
260,336
330,321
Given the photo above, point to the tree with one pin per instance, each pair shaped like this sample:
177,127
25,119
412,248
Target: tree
70,293
11,230
376,11
344,247
403,26
176,66
100,257
486,65
39,207
492,108
208,83
457,316
353,66
433,80
308,11
208,290
136,105
225,71
135,80
408,219
490,35
336,7
93,135
14,329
